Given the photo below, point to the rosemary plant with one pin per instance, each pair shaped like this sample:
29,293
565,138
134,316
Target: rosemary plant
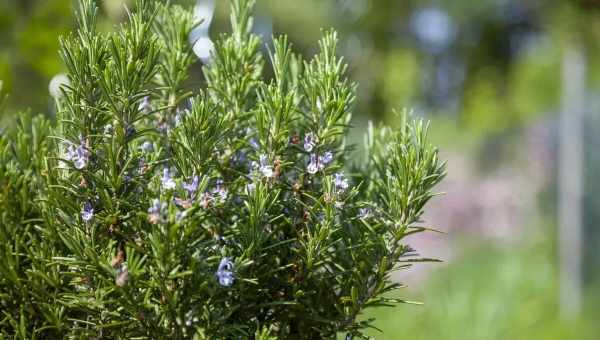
152,209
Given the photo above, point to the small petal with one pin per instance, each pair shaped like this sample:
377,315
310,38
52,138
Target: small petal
327,157
364,213
168,182
225,272
313,166
226,279
309,142
80,163
87,213
192,186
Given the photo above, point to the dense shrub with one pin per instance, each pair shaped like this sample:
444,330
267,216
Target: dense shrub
155,209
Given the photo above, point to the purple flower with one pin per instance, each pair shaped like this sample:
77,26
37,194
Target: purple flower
326,158
79,155
192,186
254,143
82,158
250,187
309,142
313,166
265,168
167,181
364,213
225,272
341,182
87,213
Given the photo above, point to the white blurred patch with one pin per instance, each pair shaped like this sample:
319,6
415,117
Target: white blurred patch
203,48
202,45
434,28
56,83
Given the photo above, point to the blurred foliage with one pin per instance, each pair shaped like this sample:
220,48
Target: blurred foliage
491,292
498,70
503,64
29,31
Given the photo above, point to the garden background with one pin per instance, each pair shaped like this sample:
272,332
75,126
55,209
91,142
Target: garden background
511,88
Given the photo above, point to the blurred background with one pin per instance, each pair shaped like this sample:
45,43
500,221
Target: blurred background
512,88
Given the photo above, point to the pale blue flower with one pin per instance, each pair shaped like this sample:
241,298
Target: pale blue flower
364,213
225,272
87,213
82,157
168,183
192,186
265,168
313,165
309,142
326,158
79,154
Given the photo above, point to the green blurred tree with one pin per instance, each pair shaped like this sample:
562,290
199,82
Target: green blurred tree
29,31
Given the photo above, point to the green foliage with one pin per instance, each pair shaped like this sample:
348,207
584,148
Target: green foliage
151,210
28,288
499,292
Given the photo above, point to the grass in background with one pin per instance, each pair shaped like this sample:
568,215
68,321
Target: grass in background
490,293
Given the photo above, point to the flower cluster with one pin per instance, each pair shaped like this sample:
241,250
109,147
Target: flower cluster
78,154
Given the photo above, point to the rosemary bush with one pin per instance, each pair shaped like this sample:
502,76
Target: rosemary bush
149,210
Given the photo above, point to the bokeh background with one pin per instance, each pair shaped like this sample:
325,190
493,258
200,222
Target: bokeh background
512,88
